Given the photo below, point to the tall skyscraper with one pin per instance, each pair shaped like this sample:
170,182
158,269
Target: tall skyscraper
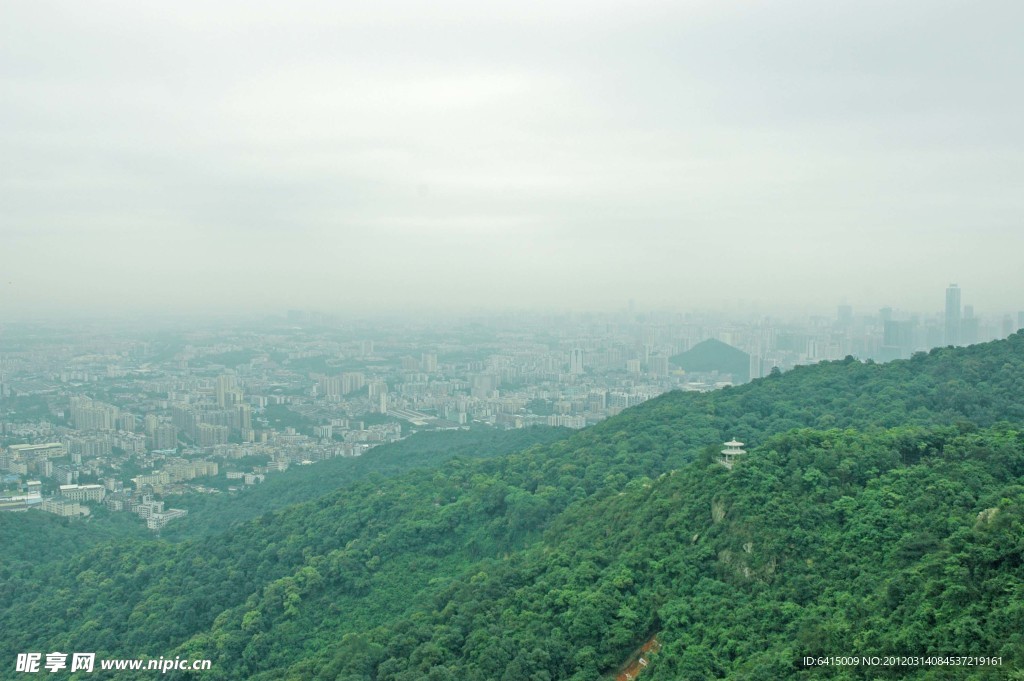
898,340
969,326
952,315
844,315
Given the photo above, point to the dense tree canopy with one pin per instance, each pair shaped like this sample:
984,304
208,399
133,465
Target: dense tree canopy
880,511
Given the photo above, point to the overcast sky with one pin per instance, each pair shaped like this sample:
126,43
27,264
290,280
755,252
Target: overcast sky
235,155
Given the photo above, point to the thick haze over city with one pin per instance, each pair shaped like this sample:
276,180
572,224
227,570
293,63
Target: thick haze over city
490,340
358,156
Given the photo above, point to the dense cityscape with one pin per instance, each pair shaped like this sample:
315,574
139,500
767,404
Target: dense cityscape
126,418
462,341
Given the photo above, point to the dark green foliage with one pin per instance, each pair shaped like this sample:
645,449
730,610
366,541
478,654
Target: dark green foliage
211,514
825,542
279,416
34,538
880,511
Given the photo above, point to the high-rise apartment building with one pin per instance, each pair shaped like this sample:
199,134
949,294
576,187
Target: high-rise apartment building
126,422
227,393
352,381
89,414
244,416
164,436
576,362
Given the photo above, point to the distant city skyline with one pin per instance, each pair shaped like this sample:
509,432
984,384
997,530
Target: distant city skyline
368,157
737,309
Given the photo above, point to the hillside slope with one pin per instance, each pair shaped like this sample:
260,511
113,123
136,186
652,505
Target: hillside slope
557,561
820,543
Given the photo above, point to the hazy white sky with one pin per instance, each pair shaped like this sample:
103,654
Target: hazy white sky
339,155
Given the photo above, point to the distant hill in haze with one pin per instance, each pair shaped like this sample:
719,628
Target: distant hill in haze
879,511
714,355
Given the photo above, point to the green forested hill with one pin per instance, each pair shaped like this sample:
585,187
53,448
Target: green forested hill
36,538
714,355
213,514
820,542
29,539
879,512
